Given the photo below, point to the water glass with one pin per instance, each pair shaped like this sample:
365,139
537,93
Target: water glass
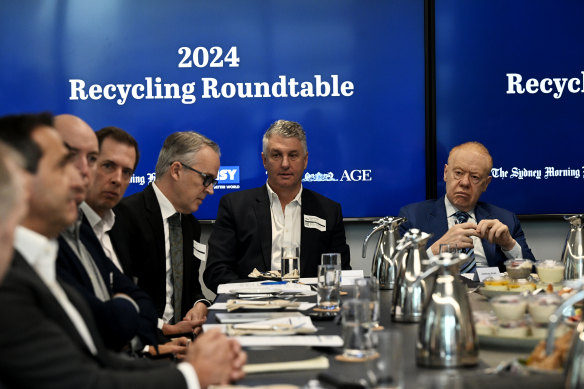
332,259
328,288
290,265
357,343
386,371
448,248
368,289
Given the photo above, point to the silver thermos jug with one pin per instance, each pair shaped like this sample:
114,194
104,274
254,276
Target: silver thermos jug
408,296
383,266
446,333
573,255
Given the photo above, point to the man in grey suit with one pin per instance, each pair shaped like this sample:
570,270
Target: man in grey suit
47,334
252,225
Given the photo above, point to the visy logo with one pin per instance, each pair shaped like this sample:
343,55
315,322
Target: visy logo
228,175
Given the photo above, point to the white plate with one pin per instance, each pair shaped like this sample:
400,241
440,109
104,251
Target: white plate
494,293
255,290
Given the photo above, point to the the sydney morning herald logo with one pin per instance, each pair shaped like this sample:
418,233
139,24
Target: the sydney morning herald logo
227,178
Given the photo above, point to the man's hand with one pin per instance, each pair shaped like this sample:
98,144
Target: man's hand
460,235
496,232
182,327
216,359
176,347
197,313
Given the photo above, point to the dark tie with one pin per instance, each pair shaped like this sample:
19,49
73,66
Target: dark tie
176,263
471,264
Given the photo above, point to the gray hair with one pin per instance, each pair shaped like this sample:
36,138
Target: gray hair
183,147
286,129
10,191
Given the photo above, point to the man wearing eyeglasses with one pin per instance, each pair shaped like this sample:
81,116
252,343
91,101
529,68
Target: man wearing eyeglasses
486,232
159,226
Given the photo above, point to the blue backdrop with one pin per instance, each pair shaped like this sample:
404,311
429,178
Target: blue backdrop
78,57
536,132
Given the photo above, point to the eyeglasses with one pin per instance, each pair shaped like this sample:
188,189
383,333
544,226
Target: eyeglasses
207,178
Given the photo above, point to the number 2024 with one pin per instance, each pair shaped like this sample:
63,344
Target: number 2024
202,57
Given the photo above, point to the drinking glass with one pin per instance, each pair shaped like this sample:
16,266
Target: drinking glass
328,296
368,289
386,371
290,265
332,259
448,248
356,316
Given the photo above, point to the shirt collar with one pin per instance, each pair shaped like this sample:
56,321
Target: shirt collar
166,207
451,209
97,222
39,251
272,195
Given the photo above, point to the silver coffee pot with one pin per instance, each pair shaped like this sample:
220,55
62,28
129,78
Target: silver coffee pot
383,266
574,367
408,296
446,333
573,255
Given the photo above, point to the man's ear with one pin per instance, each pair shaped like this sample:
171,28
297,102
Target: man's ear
445,171
175,170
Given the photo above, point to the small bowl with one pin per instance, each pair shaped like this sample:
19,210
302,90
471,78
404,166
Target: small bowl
541,306
518,268
550,271
509,307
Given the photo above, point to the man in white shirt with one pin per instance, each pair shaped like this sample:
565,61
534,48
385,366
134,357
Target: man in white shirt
47,335
252,225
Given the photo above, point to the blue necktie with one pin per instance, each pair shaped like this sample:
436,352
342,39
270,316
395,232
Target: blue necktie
471,264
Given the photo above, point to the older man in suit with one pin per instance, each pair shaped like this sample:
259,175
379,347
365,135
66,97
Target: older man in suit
252,225
47,334
161,234
490,234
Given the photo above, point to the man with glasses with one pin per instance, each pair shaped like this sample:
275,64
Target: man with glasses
162,235
489,234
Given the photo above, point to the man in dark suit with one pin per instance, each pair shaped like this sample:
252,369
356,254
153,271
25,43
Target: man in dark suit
47,334
186,172
492,233
252,225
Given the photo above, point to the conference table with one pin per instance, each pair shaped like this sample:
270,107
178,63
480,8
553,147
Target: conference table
350,375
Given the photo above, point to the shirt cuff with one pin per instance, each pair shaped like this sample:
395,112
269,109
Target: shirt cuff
160,324
515,252
204,301
188,371
130,300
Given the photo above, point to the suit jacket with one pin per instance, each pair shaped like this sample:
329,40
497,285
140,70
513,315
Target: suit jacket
118,321
41,347
430,216
242,236
139,223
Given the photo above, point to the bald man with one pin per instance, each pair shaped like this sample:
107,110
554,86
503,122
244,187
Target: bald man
489,233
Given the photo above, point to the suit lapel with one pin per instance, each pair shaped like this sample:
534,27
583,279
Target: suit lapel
438,220
154,219
264,222
308,236
489,248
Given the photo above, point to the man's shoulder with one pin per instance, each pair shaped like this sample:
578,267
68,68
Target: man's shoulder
494,210
244,195
421,206
311,195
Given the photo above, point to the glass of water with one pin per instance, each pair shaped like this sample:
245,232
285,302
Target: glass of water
333,259
356,316
368,289
290,268
327,290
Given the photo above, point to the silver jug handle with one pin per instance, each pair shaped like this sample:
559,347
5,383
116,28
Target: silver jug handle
557,316
375,229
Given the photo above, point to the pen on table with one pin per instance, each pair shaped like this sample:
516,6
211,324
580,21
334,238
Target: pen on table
274,282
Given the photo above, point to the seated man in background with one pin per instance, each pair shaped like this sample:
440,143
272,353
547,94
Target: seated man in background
159,231
122,311
489,234
114,166
252,225
47,334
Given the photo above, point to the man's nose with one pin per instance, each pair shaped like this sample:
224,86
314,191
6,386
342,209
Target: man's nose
285,161
116,177
210,189
465,179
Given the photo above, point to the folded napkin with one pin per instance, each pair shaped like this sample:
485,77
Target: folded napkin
280,326
269,274
235,304
308,364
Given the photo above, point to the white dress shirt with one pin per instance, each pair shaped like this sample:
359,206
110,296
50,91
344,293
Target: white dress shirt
101,227
286,224
41,254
